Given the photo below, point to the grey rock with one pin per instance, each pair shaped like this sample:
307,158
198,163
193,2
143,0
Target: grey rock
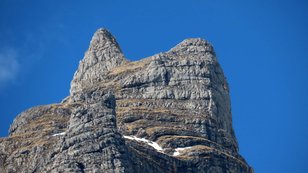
103,54
166,113
91,142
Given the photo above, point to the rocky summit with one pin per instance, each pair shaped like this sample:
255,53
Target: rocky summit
168,113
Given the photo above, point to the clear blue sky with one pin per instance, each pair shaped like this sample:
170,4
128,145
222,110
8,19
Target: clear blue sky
262,46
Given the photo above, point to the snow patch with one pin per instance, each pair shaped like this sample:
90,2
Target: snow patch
151,143
178,150
59,134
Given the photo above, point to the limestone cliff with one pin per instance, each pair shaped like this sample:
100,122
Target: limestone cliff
166,113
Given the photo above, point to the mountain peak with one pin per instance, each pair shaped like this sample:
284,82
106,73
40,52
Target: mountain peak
167,113
196,45
102,38
103,54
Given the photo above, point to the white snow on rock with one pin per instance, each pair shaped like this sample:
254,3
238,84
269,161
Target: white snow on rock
59,134
178,150
155,145
151,143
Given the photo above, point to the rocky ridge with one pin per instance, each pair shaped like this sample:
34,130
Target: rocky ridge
166,113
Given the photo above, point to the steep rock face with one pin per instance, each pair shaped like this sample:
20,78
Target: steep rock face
32,137
166,113
92,143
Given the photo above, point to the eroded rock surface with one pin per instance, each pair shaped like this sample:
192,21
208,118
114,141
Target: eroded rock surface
166,113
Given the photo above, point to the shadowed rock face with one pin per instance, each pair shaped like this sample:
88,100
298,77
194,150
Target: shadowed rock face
166,113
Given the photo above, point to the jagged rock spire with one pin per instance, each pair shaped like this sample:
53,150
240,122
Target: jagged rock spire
103,54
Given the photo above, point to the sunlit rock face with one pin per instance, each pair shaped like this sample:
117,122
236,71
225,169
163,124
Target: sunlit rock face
103,54
166,113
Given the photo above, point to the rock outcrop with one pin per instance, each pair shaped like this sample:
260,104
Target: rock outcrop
166,113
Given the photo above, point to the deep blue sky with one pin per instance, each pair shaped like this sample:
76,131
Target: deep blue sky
261,45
